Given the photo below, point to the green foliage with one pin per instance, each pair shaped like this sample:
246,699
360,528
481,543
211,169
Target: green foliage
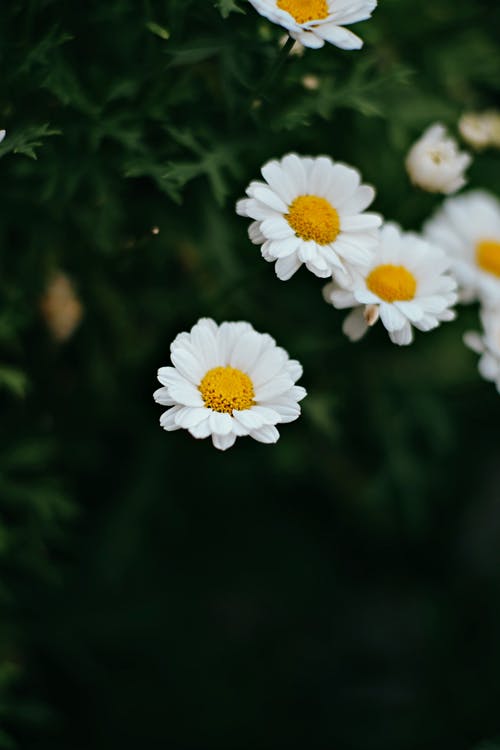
342,585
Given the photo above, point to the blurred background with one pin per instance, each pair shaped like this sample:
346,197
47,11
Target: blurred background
340,589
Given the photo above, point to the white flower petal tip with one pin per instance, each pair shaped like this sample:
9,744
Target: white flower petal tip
228,381
406,285
314,22
487,345
3,133
312,212
480,130
467,228
435,164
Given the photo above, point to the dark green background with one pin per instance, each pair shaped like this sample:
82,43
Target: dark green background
338,590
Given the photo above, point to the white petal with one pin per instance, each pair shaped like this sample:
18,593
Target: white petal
392,319
255,234
266,434
321,176
474,341
294,369
403,336
307,251
293,166
286,267
340,37
191,416
162,396
360,222
297,393
345,180
223,442
271,199
489,367
189,366
267,414
279,182
283,248
354,326
167,419
269,364
220,423
249,418
186,394
414,311
359,201
276,228
201,430
287,409
308,39
273,388
246,351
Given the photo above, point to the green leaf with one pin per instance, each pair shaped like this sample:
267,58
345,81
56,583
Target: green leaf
13,380
160,31
27,140
228,6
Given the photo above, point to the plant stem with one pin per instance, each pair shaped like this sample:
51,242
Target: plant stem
271,75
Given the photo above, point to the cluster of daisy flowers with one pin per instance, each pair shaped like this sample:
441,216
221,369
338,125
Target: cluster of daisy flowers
312,212
228,381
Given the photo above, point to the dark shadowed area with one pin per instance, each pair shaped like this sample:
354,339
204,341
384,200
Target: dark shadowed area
340,589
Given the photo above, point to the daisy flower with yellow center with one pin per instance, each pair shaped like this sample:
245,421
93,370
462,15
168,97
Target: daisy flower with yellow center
406,285
228,381
311,211
487,344
468,229
314,22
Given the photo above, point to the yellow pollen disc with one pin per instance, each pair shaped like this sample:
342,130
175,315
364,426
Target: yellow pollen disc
305,10
226,388
488,256
313,218
392,283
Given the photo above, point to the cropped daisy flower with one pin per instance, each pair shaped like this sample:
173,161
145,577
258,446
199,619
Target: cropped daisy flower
3,133
468,229
311,210
435,164
228,381
487,345
314,22
481,129
407,284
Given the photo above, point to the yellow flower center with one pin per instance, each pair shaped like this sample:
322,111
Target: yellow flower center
488,256
392,283
305,10
226,388
314,218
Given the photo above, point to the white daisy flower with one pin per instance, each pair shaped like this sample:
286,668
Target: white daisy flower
228,381
435,164
314,22
468,229
487,345
406,285
311,210
481,129
3,133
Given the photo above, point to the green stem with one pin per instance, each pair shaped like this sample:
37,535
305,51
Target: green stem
272,74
